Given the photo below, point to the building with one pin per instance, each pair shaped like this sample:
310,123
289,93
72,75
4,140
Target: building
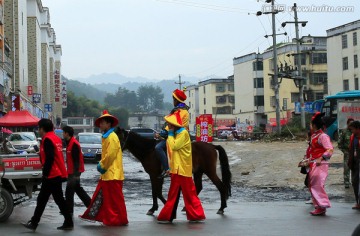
80,124
255,101
343,45
35,80
213,96
192,93
146,120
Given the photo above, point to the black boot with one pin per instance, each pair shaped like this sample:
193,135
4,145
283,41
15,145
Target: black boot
66,226
30,225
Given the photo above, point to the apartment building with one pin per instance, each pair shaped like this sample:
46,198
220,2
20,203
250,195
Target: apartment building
343,46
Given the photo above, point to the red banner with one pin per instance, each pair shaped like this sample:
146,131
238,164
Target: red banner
30,90
204,128
21,163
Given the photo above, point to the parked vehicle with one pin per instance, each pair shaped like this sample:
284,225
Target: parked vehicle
20,175
90,146
144,132
21,141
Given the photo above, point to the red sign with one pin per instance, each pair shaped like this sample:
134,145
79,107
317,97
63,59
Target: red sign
57,86
30,90
204,128
20,163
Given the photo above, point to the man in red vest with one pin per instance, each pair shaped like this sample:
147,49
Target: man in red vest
53,174
75,166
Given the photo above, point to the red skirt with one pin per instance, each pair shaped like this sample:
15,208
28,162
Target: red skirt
107,204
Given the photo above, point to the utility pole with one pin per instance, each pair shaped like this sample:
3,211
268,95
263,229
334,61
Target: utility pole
273,12
299,77
180,82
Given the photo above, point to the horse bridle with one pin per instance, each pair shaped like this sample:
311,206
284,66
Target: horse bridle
124,145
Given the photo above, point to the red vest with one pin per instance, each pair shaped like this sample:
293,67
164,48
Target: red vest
317,150
69,158
58,168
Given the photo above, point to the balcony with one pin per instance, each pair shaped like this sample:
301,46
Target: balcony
8,65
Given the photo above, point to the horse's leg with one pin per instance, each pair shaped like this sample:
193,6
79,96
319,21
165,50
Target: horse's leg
154,192
160,195
220,186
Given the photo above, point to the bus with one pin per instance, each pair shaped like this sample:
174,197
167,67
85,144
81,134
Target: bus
329,107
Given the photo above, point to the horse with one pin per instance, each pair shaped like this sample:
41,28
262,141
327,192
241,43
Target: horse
204,158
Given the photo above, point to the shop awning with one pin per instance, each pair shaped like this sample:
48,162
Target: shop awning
18,119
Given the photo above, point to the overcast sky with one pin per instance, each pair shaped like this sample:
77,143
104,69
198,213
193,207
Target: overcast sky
160,39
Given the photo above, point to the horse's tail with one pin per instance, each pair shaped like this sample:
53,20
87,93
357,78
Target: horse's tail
225,168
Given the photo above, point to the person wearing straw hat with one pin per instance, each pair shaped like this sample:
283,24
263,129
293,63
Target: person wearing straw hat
108,203
179,153
179,98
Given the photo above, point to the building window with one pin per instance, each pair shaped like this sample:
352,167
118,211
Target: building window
258,100
258,65
223,110
355,38
272,101
346,85
258,82
75,121
232,99
231,87
220,99
271,64
204,101
220,88
189,94
319,58
344,41
303,59
356,62
189,104
204,88
356,83
345,63
295,97
204,111
319,96
88,121
318,78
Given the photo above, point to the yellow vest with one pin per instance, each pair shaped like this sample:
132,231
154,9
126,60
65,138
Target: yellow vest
111,158
179,153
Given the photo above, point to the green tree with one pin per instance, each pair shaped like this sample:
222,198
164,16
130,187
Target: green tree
122,98
150,98
122,114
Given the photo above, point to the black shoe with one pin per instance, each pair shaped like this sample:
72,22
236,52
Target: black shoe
30,225
66,227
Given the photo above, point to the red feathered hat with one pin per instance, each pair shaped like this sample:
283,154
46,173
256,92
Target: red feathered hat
106,114
179,95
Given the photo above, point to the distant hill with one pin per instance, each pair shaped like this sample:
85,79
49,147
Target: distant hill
112,78
87,90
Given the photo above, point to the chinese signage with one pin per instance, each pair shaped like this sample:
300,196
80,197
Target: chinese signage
36,97
30,90
308,108
48,107
63,94
347,110
204,128
57,86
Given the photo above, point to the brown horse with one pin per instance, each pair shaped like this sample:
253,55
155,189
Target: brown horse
204,157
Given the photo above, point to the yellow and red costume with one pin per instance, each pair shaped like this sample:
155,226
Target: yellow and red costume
179,153
108,203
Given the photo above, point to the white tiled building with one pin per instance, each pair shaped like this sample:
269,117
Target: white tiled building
343,47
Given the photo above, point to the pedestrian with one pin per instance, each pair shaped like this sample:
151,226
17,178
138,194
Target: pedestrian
320,152
75,166
179,152
305,169
343,145
108,203
53,174
179,98
353,163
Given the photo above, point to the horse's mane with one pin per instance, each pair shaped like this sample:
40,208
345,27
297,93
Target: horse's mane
137,141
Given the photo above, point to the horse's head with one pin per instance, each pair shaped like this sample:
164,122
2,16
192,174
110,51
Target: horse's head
123,135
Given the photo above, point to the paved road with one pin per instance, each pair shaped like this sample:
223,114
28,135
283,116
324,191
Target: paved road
241,218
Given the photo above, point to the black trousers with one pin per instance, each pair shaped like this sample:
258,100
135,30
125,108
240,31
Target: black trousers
73,186
51,187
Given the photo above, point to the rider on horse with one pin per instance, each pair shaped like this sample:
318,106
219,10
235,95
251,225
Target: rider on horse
179,98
